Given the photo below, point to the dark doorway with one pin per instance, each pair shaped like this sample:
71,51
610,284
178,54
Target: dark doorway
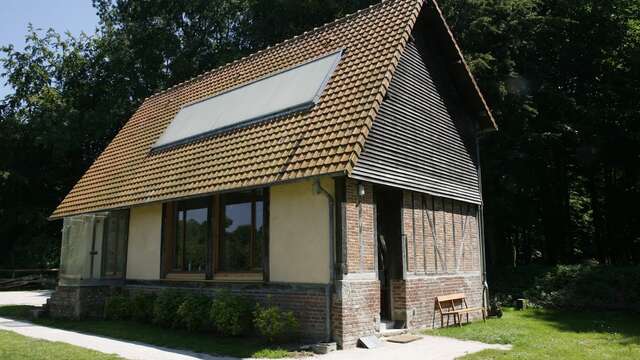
388,207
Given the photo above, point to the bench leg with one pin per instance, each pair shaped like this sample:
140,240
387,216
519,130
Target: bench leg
459,320
467,318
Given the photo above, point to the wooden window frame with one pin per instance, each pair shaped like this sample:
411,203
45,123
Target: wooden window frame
245,274
103,264
213,270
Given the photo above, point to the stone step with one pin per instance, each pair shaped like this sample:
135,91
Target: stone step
392,332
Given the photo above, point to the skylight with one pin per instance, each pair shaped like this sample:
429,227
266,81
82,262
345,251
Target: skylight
294,89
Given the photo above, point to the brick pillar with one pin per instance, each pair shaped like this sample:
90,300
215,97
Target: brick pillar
356,301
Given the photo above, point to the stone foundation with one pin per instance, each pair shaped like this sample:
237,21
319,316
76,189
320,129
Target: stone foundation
356,311
76,302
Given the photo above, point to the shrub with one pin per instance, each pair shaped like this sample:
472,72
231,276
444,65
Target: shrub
117,307
274,324
142,307
588,287
192,312
230,314
165,308
580,287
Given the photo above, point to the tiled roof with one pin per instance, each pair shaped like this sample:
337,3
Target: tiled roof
324,140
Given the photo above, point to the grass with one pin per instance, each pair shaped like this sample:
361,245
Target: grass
155,335
18,347
547,334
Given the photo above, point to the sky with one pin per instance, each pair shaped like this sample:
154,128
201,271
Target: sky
74,16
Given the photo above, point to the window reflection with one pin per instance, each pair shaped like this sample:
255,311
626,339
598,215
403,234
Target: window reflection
242,236
192,230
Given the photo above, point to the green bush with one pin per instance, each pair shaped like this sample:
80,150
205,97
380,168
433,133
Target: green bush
165,308
230,314
580,287
274,324
192,313
142,307
117,307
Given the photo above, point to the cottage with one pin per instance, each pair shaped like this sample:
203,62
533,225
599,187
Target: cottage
336,173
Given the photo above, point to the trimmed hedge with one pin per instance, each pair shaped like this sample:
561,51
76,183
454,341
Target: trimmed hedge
274,324
231,314
226,313
165,308
581,287
117,307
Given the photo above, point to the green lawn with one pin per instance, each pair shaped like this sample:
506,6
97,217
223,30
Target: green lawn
154,335
545,334
18,347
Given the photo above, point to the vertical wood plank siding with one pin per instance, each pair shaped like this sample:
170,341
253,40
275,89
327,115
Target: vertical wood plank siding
421,139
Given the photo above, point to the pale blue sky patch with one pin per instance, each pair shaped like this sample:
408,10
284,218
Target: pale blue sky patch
74,16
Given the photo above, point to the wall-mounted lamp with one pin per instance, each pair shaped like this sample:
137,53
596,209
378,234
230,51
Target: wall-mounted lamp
361,189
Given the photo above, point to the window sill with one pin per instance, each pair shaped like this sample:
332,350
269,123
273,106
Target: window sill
186,276
239,276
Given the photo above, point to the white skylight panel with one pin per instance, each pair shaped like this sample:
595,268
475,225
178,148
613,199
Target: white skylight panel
294,89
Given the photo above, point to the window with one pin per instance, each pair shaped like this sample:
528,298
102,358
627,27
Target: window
219,236
242,231
191,235
114,244
297,88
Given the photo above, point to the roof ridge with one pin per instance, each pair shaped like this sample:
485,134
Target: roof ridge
281,43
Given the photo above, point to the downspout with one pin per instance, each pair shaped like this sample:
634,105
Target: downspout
318,189
485,283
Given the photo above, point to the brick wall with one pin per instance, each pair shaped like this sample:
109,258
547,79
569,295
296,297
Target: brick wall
359,228
421,293
356,301
356,311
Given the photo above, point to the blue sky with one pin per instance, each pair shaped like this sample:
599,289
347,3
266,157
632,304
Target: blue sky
74,16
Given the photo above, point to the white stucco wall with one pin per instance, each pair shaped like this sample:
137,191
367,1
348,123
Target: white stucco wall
299,233
143,254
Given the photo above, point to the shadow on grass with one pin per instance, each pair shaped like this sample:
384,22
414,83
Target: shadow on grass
624,324
154,335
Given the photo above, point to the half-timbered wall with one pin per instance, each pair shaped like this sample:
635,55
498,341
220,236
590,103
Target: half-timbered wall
442,256
441,235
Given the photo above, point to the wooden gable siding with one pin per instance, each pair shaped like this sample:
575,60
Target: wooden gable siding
422,139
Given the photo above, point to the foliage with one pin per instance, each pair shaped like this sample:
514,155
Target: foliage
165,308
192,312
231,314
275,324
142,307
117,307
586,286
240,347
549,334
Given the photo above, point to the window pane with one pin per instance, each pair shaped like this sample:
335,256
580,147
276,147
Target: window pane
179,252
259,238
236,240
115,239
195,245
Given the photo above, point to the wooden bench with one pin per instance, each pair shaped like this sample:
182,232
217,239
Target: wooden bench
456,305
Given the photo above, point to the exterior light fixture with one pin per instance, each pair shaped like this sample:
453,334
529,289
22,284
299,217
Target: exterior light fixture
361,189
